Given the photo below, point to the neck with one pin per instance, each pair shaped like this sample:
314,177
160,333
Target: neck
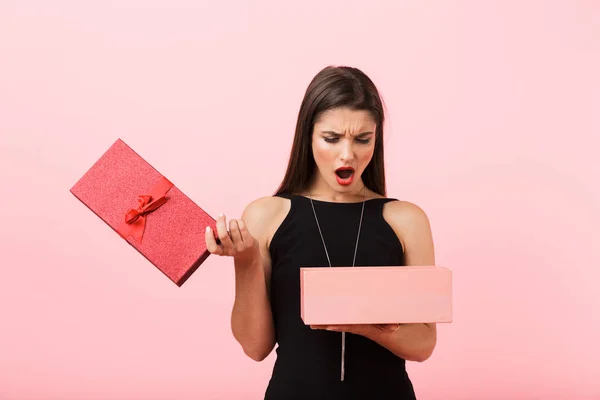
320,190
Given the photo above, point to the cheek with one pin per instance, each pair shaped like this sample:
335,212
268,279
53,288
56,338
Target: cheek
321,152
365,155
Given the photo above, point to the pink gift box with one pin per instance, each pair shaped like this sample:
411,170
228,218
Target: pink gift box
146,210
375,295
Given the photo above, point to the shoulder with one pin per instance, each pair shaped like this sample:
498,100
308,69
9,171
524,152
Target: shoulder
405,214
265,206
264,214
412,226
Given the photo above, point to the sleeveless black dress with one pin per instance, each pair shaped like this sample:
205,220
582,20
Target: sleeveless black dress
308,361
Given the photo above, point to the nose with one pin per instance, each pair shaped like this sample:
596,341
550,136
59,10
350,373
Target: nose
347,151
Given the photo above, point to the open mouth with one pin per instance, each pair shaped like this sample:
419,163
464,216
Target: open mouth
344,175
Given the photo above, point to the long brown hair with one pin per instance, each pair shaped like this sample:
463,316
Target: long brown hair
334,87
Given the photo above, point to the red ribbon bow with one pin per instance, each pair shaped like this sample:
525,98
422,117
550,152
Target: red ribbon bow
135,219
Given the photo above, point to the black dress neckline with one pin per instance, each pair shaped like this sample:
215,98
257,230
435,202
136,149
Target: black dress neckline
325,202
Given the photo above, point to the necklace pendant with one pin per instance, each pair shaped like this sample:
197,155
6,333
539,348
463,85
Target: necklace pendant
343,354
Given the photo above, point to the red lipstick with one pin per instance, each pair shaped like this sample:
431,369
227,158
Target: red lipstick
344,175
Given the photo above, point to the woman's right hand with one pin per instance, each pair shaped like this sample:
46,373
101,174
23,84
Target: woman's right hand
236,242
251,316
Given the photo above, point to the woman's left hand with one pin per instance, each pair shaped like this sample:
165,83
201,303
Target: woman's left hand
359,329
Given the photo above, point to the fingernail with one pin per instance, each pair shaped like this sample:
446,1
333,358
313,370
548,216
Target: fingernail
208,229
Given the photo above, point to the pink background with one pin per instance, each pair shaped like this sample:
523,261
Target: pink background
494,124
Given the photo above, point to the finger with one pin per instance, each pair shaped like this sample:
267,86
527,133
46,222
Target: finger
244,233
223,235
336,328
236,236
390,327
211,243
344,328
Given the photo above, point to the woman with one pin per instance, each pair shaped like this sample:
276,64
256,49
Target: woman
330,210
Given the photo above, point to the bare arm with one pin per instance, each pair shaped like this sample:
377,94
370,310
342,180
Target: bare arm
251,318
414,342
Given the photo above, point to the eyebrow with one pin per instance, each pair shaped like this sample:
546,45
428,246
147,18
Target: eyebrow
340,134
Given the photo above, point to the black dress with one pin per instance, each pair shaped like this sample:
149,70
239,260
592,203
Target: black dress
308,361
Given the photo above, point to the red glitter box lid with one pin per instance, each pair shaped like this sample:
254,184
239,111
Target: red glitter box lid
171,236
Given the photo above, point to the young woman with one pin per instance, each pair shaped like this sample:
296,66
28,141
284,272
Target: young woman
330,210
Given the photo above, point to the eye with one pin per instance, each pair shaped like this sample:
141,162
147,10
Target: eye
331,140
363,141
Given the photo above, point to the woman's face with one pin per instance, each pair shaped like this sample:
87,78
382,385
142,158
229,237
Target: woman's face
343,142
